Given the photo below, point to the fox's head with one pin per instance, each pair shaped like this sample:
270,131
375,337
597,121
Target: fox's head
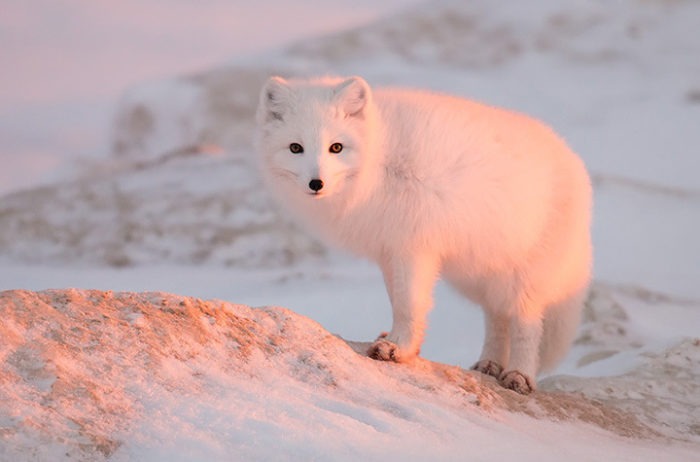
313,135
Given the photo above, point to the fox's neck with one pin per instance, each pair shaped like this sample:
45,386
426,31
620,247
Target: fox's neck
370,174
347,218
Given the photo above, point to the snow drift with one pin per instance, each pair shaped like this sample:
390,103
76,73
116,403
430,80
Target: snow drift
90,375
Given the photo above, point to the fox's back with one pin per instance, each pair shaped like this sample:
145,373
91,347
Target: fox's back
476,170
455,131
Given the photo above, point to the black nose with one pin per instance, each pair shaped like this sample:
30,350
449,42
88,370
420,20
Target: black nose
316,184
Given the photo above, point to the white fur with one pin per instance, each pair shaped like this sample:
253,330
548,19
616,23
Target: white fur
429,185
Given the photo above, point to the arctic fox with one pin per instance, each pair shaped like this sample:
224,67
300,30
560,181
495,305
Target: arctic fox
431,185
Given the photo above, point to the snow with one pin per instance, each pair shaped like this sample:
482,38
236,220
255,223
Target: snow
152,376
130,374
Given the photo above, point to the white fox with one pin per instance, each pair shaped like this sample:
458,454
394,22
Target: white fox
427,185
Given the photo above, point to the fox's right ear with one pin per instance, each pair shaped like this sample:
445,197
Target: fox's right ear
353,94
274,100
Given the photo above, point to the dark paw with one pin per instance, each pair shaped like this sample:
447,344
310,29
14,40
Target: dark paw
488,367
518,382
384,350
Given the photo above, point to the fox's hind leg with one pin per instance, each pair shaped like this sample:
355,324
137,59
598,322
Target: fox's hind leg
525,338
511,345
496,349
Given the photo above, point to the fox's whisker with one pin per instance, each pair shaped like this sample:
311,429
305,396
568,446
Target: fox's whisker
283,172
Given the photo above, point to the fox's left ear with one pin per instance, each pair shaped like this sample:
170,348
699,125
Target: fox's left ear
353,94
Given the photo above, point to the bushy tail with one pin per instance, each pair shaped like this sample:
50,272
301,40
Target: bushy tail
561,323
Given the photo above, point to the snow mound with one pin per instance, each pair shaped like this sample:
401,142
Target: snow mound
91,375
664,392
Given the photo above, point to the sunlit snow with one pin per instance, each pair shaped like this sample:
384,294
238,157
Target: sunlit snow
163,200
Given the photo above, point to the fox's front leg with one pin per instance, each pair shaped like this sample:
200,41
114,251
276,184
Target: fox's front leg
409,282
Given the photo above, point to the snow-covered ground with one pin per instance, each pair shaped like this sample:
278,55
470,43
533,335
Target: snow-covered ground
92,375
177,208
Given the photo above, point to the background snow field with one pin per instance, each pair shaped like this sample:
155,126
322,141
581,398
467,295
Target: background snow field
140,194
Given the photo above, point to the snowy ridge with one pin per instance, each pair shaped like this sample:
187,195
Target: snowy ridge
91,375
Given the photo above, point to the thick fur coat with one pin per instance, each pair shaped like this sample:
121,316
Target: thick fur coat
431,185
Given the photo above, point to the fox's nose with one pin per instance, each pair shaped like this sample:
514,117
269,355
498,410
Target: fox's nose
316,184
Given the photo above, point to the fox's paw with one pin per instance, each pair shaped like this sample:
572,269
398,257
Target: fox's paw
488,367
385,350
518,382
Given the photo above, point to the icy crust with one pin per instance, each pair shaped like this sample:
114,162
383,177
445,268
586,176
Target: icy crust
89,375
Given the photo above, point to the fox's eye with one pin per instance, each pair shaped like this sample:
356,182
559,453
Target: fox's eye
296,148
335,148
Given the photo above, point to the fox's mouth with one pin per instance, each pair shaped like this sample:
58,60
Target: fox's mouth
316,194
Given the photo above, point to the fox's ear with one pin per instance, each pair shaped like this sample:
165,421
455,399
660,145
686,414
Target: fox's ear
353,94
274,100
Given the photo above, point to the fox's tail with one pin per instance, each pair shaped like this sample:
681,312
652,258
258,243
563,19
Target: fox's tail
561,322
